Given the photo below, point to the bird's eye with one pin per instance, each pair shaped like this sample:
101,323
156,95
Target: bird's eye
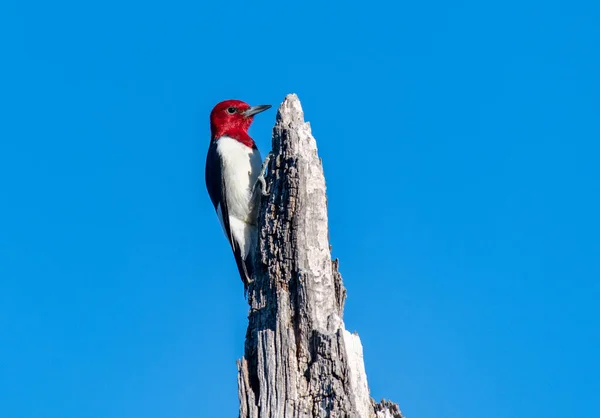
231,110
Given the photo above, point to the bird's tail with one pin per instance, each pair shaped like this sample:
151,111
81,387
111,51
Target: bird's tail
246,269
244,256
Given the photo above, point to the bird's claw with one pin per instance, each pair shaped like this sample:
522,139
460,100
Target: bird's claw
261,177
263,186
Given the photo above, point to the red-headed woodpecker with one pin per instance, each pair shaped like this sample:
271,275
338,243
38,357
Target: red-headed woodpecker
233,166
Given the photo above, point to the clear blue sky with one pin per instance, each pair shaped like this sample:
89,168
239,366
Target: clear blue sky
460,142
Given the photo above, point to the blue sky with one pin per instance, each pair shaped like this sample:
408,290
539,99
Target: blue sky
460,142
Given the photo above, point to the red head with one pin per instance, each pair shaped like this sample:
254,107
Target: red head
233,118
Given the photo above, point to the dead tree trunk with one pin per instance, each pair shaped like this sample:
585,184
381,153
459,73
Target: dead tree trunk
299,360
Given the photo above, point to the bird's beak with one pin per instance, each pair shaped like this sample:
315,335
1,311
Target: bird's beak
255,109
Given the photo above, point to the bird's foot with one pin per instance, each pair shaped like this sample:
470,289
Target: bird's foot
261,178
263,185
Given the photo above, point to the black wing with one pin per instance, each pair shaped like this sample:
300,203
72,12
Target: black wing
218,195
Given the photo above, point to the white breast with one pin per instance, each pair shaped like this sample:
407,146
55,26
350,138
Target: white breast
241,168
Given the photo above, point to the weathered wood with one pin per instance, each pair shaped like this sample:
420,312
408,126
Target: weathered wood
299,360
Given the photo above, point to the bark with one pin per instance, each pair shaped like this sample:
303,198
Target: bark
299,359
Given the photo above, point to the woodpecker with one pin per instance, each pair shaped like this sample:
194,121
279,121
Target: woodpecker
233,167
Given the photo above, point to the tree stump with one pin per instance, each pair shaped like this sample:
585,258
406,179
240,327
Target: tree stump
299,360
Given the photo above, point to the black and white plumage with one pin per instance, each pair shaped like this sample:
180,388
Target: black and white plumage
232,169
233,166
